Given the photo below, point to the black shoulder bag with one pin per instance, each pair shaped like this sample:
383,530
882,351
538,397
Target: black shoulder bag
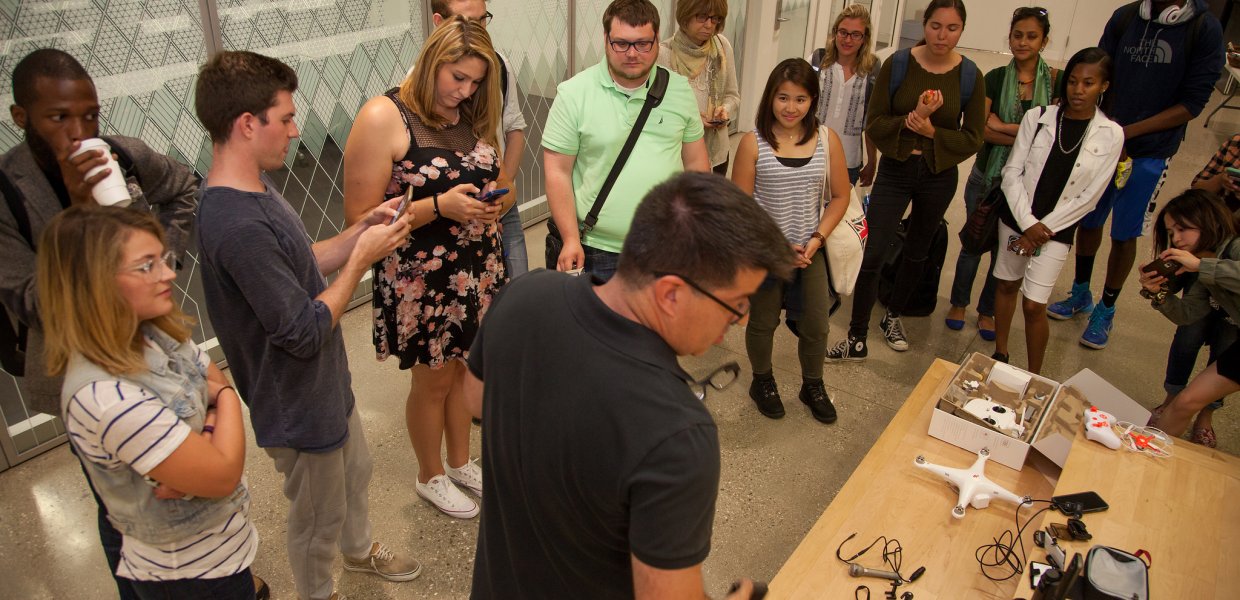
980,233
555,243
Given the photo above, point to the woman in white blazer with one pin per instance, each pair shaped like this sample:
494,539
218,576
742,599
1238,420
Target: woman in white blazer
1062,161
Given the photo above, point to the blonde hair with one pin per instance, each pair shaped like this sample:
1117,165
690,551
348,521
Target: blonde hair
81,306
687,9
453,40
866,60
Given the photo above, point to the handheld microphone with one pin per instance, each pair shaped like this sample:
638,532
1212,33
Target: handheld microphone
857,570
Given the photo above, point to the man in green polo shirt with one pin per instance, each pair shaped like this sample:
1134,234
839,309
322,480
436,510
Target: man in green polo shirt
591,118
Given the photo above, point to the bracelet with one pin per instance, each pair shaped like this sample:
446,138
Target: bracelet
822,239
435,202
208,428
216,399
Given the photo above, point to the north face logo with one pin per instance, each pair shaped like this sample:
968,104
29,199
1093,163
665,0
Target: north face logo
1150,51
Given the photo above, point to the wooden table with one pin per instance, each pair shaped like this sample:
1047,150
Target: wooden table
887,496
1184,510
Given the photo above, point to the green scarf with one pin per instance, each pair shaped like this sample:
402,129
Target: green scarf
690,60
1010,110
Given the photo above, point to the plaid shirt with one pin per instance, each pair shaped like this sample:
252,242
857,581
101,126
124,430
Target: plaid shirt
1228,155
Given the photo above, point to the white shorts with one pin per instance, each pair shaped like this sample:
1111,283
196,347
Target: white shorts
1039,272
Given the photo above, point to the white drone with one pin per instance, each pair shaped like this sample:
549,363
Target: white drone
975,489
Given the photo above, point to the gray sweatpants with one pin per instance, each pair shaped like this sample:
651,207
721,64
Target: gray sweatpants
328,508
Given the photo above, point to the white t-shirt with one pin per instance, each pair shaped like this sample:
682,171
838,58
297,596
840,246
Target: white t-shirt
120,425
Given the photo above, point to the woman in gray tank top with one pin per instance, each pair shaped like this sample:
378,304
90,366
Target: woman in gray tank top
792,166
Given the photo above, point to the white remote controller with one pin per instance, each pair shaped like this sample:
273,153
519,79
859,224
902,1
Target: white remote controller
1098,427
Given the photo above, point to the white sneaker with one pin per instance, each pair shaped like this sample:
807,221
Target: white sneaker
468,476
447,498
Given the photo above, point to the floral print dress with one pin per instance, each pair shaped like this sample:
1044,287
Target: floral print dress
431,294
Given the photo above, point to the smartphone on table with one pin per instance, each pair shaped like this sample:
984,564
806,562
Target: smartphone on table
404,205
1087,501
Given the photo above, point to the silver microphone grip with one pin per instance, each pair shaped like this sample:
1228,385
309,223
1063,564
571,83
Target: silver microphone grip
857,570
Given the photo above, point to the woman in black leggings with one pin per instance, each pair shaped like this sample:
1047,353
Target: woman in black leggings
924,128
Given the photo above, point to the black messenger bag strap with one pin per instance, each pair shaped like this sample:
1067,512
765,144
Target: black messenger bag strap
653,97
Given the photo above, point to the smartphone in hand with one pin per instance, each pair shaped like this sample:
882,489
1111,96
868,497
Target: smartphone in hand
1165,267
493,195
404,205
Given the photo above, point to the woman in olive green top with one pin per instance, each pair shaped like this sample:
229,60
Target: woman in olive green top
923,132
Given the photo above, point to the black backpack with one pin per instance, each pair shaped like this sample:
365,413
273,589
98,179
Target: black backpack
13,333
926,295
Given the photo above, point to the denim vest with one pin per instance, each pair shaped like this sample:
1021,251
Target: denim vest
179,383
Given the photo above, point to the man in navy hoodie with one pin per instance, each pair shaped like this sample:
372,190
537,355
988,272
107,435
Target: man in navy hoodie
1167,56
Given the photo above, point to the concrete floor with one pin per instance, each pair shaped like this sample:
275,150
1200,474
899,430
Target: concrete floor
777,477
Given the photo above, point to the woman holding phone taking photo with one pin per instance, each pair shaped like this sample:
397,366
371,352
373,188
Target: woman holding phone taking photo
155,424
436,134
1063,159
924,129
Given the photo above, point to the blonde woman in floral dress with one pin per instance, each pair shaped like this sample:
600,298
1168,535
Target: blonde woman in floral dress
436,134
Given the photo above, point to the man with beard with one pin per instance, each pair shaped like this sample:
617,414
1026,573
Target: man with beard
56,106
588,124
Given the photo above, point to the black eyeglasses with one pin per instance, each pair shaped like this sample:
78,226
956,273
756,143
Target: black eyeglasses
855,36
704,18
737,314
719,379
623,46
486,18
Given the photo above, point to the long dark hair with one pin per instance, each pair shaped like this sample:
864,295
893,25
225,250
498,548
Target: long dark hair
1087,56
1200,209
799,72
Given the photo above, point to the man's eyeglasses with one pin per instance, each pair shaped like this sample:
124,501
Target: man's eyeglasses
150,269
486,18
719,379
623,46
855,36
714,19
737,314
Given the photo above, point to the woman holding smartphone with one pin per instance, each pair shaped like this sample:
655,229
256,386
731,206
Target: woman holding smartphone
924,129
1026,82
155,424
700,52
1063,159
792,166
436,134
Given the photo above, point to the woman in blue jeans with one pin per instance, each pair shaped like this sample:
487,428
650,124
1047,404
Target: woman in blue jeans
1025,82
924,130
154,423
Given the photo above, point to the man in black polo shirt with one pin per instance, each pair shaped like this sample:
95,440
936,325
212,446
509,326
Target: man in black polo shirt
600,464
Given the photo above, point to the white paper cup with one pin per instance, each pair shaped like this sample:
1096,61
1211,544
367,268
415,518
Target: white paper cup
112,191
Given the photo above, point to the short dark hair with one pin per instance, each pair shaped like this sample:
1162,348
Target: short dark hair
935,5
44,62
700,225
1087,56
632,12
1037,13
234,83
443,8
1200,209
800,72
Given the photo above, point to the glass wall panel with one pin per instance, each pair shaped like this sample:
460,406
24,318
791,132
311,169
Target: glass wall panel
533,35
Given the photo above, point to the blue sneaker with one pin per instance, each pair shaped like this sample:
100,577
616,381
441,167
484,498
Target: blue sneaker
1079,301
1099,328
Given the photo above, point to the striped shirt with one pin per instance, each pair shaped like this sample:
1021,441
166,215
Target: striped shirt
793,196
120,425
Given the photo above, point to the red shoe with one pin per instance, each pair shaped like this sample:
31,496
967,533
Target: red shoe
1205,437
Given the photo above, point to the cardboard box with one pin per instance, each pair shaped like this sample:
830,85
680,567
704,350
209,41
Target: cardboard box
1051,432
1005,385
